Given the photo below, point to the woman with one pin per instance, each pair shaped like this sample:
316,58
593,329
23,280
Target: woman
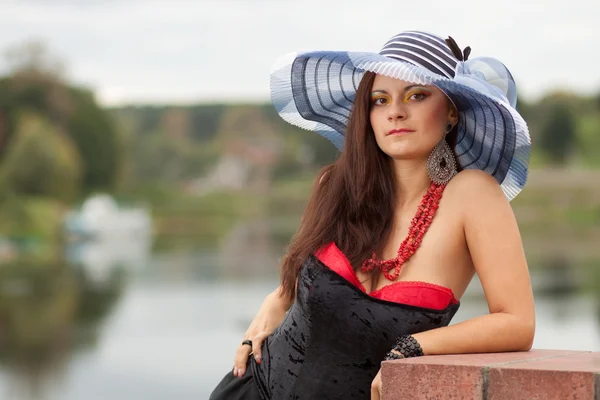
433,150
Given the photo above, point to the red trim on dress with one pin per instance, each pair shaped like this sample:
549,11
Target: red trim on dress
414,293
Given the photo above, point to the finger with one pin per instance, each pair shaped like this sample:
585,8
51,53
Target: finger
256,347
241,357
375,394
240,361
376,386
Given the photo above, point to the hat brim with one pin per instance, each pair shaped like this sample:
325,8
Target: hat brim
316,91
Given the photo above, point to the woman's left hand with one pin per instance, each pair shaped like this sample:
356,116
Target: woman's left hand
376,387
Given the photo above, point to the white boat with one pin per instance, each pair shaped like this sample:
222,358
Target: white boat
101,216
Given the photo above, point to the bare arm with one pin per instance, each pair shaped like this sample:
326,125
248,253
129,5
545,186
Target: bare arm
277,297
496,249
269,316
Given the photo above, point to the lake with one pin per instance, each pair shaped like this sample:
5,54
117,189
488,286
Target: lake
164,324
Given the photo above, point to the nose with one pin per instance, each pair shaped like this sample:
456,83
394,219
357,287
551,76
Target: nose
396,112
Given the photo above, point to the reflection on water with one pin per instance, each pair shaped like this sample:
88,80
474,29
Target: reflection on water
100,257
48,312
116,320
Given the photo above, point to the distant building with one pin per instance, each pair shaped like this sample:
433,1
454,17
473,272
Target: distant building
243,165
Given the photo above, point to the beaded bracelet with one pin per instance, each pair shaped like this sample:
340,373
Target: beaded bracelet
408,346
392,356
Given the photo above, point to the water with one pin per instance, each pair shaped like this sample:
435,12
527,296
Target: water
169,327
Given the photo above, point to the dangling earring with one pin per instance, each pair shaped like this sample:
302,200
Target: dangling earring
449,127
441,166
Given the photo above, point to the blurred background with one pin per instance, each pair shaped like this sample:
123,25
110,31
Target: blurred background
148,188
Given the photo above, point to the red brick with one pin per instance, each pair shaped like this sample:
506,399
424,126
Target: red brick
415,381
582,362
489,359
568,377
461,376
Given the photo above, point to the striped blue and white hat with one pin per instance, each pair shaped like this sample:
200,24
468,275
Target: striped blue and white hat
315,91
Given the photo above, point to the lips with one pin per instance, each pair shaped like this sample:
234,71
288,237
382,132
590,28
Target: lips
399,131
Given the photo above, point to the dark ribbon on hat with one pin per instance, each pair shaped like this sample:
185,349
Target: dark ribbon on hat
460,55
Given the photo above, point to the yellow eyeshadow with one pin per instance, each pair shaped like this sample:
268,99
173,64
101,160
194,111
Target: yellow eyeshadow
414,91
377,96
388,99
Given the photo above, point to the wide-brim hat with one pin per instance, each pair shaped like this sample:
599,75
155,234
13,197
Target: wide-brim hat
316,90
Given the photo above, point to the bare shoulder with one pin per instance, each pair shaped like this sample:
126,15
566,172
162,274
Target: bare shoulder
494,242
473,187
473,181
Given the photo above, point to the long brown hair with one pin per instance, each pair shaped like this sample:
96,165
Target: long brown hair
352,201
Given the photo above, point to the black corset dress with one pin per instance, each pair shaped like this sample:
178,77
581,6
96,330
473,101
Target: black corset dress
331,343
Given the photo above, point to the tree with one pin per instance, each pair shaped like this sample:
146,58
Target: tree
36,80
41,161
324,152
33,55
96,138
558,136
36,84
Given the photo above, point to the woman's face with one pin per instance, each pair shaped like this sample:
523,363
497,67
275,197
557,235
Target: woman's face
408,120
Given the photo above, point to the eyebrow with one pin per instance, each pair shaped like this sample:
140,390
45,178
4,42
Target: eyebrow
406,88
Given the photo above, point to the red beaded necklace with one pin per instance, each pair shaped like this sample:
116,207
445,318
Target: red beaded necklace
418,227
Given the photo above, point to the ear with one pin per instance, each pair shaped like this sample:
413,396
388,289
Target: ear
453,114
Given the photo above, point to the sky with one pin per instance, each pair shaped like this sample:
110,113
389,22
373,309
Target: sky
191,51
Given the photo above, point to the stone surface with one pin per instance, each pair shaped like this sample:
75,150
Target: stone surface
583,362
435,381
528,384
567,377
532,375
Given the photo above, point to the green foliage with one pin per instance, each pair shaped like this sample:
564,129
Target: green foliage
39,305
34,222
205,121
206,219
588,128
45,302
32,91
35,84
96,137
248,124
158,158
41,161
558,136
323,152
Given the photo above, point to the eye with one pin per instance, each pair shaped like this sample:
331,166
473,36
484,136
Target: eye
380,100
417,96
